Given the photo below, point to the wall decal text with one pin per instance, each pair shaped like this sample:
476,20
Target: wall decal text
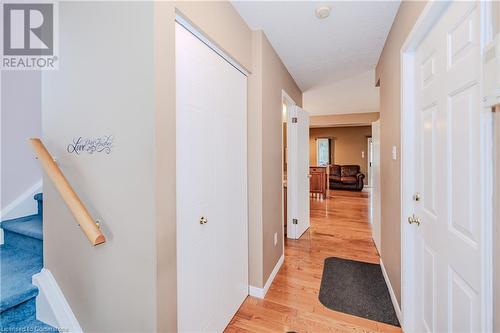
102,144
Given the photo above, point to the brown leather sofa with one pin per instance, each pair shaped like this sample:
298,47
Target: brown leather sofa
346,177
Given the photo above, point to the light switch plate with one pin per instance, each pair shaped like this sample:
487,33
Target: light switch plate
394,153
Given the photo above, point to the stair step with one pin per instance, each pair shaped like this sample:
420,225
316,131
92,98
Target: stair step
20,258
22,318
29,226
25,233
17,268
21,312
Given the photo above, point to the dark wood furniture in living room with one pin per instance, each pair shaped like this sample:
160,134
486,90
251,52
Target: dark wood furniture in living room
318,180
346,177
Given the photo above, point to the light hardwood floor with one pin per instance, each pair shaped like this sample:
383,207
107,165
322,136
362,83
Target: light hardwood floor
339,227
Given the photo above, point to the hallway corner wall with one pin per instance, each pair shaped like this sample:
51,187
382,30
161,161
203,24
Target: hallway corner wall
21,119
255,226
104,87
268,79
275,79
388,71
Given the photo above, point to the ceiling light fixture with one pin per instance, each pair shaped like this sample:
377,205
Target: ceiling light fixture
323,12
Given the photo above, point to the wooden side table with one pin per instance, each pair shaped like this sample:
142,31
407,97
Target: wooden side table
317,180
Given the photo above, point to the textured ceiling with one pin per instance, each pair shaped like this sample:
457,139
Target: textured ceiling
317,52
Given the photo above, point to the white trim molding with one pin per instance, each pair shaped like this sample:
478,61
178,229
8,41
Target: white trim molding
261,292
394,300
51,305
189,26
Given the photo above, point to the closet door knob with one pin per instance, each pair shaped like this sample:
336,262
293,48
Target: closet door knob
413,219
203,220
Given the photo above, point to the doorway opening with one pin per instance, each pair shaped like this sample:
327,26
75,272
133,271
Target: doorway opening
340,221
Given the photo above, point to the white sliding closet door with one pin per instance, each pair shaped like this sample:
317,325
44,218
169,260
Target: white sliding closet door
212,240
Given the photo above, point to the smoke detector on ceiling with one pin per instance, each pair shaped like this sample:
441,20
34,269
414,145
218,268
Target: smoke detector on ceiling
323,12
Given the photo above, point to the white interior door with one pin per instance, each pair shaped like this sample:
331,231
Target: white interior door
298,172
447,202
211,162
375,176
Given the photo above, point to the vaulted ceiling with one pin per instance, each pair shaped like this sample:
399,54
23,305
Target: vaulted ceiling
326,56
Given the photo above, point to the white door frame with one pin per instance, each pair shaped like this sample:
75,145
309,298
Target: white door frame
288,101
375,191
179,18
298,210
429,16
369,157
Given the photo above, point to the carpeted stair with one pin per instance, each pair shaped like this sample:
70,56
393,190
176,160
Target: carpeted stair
21,256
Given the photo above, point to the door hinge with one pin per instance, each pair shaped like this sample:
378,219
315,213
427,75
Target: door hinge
295,221
294,120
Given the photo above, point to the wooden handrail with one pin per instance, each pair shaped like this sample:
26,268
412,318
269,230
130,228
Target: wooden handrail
75,205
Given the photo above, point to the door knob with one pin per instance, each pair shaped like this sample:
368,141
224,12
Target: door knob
416,196
413,219
203,220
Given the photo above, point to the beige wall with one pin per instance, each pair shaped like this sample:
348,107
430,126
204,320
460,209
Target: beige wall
104,86
348,119
133,189
222,24
349,143
389,72
270,77
275,78
254,130
164,149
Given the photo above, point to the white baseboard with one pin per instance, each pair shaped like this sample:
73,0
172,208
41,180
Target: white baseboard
394,300
23,205
51,305
261,292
